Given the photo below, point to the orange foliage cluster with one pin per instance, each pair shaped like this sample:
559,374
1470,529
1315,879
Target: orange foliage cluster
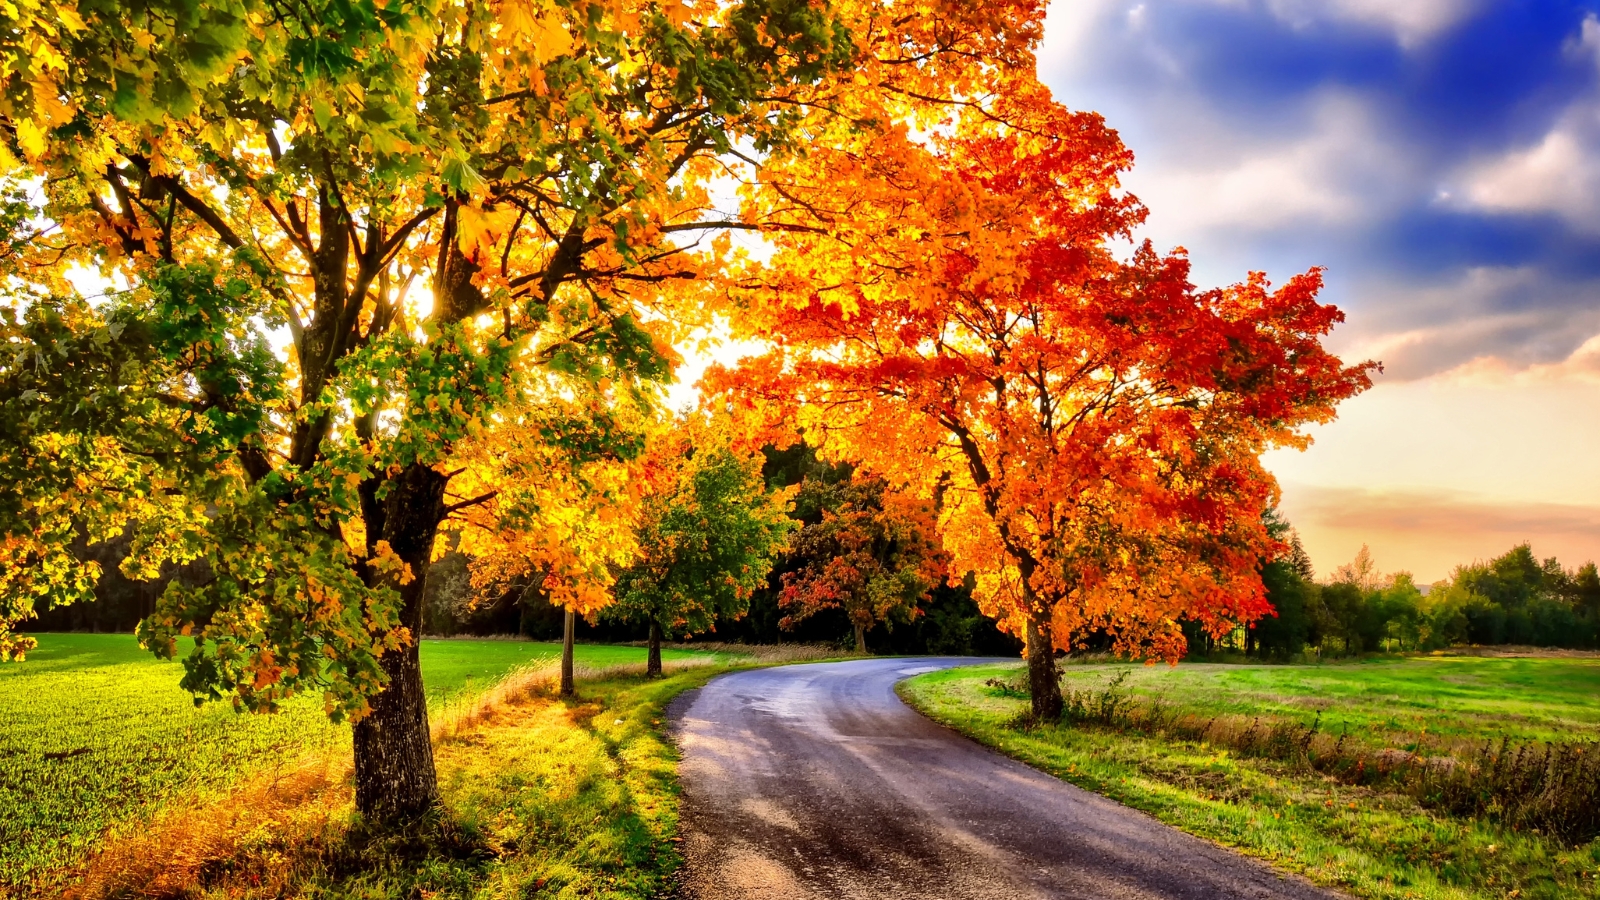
952,316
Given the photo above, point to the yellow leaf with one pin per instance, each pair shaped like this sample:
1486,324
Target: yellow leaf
31,137
538,25
70,18
477,230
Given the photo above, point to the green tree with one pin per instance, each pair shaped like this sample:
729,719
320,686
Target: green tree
708,532
1284,631
1586,590
440,208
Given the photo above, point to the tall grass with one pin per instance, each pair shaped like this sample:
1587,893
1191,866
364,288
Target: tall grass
1545,787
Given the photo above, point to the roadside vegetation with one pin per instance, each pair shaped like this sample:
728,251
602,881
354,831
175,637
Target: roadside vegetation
1445,778
100,739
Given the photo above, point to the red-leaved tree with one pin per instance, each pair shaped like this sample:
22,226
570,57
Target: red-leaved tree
955,317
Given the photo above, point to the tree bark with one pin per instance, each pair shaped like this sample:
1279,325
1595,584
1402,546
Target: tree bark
861,638
652,666
394,770
567,686
1044,682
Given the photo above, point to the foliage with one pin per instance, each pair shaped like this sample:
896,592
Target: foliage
1091,425
476,226
707,534
99,738
1362,839
868,550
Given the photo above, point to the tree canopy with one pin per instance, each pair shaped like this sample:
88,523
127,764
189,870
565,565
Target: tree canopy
867,549
954,317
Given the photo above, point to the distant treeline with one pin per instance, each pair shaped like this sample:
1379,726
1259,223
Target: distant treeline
1515,598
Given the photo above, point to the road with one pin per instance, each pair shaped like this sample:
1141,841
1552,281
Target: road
815,781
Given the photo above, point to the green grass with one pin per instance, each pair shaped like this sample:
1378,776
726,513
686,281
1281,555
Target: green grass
1369,843
1397,699
97,736
549,799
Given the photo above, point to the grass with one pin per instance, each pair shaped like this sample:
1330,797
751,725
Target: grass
1400,699
1362,839
542,797
98,738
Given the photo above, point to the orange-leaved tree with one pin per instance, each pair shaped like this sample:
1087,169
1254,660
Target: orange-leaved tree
952,314
864,548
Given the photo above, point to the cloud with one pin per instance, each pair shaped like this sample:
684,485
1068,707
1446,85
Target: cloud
1336,168
1505,318
1559,174
1411,21
1429,532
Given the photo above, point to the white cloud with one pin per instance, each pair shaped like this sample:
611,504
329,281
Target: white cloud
1560,175
1335,169
1411,21
1586,43
1557,175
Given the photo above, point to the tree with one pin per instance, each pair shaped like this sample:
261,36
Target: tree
707,535
1361,572
868,550
446,208
1586,590
954,318
1283,631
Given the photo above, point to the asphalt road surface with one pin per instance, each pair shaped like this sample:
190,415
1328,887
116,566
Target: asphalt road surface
815,781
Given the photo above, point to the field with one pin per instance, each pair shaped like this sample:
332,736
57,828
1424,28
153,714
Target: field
1367,840
1398,701
98,737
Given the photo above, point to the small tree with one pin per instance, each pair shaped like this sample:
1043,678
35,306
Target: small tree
871,551
707,533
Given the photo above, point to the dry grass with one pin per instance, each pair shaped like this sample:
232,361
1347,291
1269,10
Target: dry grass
537,682
1517,651
170,855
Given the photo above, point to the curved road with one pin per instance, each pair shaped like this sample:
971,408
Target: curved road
815,781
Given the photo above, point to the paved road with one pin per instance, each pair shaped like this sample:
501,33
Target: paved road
815,781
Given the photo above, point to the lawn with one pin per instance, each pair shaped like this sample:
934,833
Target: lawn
1397,699
1363,840
98,737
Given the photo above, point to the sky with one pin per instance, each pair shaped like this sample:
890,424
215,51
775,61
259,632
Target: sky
1441,158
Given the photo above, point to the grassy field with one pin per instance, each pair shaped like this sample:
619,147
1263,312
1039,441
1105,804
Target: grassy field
1397,701
542,798
1364,840
98,737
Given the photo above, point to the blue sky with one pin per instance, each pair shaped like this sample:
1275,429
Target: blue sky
1442,159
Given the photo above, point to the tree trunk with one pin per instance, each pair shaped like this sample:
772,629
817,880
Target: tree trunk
1044,682
394,771
567,687
861,638
652,666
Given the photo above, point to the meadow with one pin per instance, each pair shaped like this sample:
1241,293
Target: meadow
1363,835
98,738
